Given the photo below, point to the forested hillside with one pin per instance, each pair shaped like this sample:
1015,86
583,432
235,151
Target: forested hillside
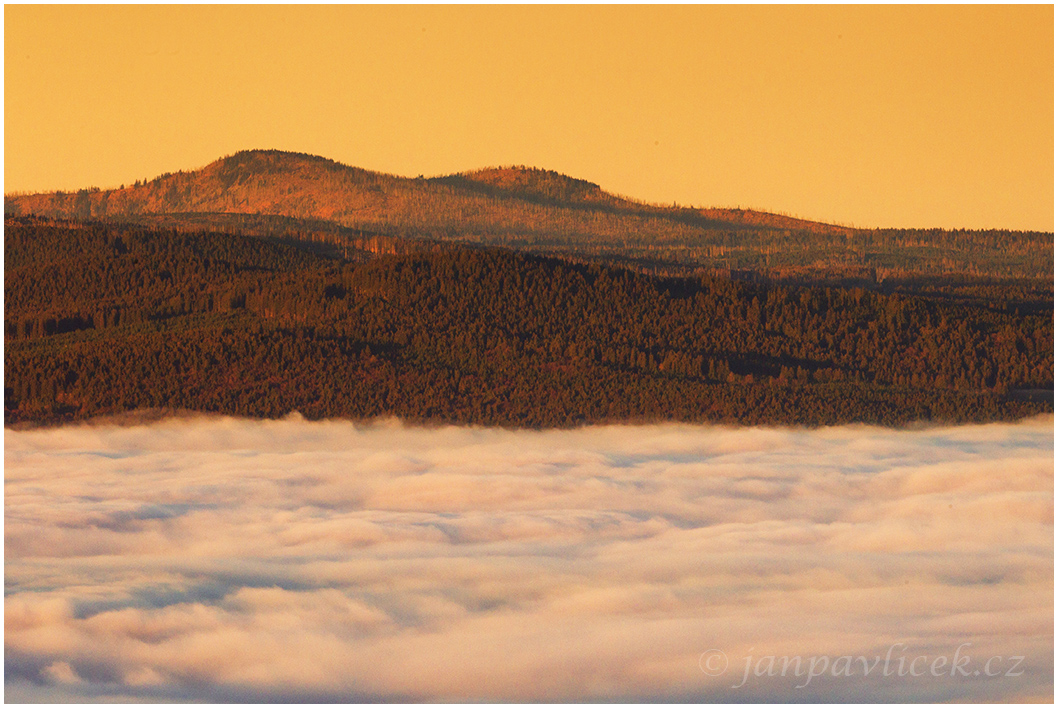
103,319
548,213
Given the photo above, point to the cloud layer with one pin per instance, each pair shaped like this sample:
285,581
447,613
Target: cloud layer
221,559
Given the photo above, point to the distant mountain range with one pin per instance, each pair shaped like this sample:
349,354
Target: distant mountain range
540,211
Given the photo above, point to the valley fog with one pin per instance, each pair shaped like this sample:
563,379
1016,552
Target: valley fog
220,559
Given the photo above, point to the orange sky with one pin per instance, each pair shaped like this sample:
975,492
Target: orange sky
876,116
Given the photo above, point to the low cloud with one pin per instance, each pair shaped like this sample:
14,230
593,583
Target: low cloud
232,560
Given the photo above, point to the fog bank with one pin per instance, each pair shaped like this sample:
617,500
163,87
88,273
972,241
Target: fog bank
223,559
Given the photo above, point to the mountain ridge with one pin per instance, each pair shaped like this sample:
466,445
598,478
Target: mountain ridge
546,212
233,171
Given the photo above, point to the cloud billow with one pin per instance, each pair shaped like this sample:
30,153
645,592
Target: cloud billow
232,560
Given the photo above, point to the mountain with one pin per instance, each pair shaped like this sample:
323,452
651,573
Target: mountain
548,213
105,318
312,187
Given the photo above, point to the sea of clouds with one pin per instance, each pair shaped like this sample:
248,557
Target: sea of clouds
233,560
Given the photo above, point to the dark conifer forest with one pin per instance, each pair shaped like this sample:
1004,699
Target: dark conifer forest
104,317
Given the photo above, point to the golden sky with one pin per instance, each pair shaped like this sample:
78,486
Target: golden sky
871,115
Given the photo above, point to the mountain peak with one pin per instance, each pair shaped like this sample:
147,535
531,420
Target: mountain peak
527,182
260,161
516,176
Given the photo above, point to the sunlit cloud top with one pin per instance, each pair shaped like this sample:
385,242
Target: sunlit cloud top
232,560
